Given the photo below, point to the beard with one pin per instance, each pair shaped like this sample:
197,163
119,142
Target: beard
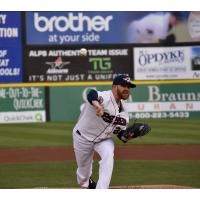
124,94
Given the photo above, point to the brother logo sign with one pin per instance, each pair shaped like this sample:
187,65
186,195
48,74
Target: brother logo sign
71,22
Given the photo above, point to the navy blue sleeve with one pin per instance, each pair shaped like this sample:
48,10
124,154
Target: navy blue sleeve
92,95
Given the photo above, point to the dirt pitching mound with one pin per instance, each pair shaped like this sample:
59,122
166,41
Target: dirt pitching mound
151,187
133,187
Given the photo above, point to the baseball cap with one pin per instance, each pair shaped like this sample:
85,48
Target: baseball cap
123,80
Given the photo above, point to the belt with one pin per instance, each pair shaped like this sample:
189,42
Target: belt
77,131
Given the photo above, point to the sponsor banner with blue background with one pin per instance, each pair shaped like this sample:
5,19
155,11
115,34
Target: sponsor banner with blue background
105,27
10,64
10,29
10,47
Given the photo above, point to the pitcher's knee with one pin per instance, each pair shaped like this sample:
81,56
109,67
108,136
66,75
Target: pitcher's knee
107,157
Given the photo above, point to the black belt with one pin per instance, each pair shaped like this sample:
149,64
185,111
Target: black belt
77,131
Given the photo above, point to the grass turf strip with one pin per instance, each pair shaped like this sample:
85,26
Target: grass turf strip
62,174
164,131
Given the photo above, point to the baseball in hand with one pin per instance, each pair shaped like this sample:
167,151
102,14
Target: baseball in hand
83,52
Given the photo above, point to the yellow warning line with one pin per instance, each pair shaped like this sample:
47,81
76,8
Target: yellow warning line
94,83
166,82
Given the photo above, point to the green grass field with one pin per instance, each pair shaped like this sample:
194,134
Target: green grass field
172,131
62,174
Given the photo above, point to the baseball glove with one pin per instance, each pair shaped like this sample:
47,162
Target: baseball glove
133,131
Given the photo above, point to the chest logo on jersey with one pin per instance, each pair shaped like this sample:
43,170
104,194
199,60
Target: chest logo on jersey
117,120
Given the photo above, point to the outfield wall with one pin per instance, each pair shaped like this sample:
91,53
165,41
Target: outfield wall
146,101
64,103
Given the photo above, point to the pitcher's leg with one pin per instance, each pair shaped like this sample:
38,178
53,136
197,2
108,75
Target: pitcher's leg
84,157
106,151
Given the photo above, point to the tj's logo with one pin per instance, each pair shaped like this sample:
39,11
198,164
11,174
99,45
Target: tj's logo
101,64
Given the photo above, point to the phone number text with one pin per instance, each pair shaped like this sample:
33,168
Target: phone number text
159,115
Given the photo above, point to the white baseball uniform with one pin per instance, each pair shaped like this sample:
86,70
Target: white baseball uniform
93,133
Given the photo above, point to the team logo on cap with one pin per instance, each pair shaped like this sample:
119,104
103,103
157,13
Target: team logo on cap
127,79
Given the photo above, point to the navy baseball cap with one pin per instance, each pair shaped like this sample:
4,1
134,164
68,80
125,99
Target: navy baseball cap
123,80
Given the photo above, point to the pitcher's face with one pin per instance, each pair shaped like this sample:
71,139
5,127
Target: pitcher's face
123,92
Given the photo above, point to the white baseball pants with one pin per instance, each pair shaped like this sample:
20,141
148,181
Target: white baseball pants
84,152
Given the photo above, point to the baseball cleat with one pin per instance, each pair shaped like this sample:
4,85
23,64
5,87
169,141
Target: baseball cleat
92,184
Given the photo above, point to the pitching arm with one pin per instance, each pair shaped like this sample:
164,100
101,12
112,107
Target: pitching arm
92,97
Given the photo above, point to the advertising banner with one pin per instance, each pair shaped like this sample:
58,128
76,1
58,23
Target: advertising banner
10,28
166,63
104,27
61,64
22,104
10,47
10,64
165,101
145,101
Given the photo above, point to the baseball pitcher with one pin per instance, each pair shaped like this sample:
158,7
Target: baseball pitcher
104,114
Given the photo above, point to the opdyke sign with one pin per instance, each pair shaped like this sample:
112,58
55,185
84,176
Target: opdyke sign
159,63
